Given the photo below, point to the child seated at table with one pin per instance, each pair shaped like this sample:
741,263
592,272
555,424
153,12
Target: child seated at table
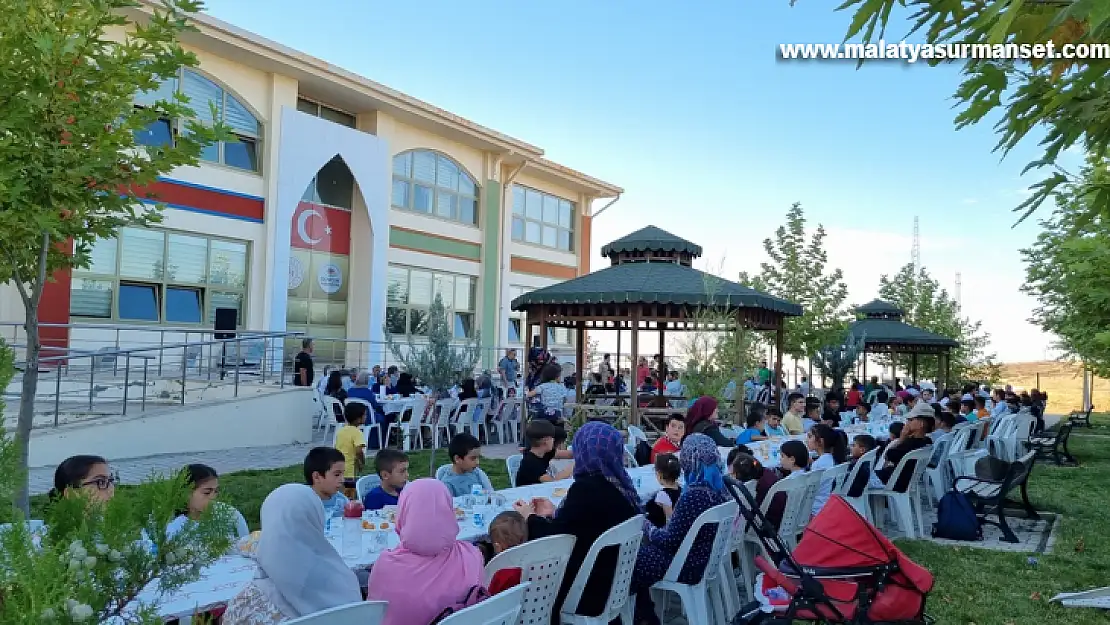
463,473
672,437
667,471
754,430
746,468
205,484
772,424
863,410
542,436
862,444
352,443
392,467
507,530
793,459
813,416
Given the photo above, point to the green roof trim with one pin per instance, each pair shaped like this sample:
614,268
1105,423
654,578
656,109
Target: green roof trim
651,238
655,283
879,307
895,332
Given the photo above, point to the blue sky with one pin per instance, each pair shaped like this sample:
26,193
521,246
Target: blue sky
686,106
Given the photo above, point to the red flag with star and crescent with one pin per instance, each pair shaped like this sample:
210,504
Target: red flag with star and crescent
321,228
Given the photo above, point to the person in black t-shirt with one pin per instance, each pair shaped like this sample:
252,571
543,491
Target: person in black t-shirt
302,365
542,436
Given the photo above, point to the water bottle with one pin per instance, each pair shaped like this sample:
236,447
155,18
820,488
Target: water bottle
352,530
478,493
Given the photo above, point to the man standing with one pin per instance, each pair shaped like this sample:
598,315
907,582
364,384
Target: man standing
302,364
764,374
605,369
508,369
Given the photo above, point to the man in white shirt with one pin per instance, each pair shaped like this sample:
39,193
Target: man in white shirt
803,386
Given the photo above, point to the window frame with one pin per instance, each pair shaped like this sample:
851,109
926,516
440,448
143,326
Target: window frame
320,106
515,291
177,126
411,181
162,287
408,306
525,220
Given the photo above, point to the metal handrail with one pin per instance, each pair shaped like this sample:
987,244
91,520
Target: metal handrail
138,352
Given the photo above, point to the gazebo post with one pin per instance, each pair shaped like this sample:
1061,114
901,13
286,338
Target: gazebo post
617,367
580,351
894,367
543,327
634,404
947,367
779,340
913,367
662,357
863,376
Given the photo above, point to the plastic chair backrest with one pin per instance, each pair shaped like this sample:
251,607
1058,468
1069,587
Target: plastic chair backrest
366,484
361,613
542,563
913,463
795,491
630,459
466,407
837,474
720,515
334,408
512,463
444,410
636,434
626,538
501,609
855,485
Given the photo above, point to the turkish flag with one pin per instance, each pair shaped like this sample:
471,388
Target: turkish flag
321,228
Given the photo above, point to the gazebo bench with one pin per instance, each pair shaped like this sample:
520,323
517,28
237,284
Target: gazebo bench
989,495
1081,418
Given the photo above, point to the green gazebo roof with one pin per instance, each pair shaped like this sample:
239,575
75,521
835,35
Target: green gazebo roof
651,238
879,308
891,332
655,283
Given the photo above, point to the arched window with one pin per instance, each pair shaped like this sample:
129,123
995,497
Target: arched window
430,183
204,95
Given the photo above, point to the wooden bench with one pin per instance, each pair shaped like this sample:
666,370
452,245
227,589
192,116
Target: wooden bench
1080,418
988,494
1053,445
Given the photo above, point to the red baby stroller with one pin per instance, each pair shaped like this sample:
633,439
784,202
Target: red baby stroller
844,571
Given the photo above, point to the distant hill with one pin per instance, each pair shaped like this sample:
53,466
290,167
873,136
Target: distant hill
1061,380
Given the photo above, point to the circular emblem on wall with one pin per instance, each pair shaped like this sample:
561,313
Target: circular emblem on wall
330,278
296,273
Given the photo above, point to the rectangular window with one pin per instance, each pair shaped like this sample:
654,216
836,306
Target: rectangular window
542,219
410,293
326,112
161,277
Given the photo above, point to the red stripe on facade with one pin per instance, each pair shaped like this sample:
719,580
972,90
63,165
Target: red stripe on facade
321,228
211,201
54,308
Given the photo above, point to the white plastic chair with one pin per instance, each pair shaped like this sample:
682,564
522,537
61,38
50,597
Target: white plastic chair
905,504
512,411
407,423
502,609
512,464
443,470
836,475
361,613
321,406
332,407
483,413
440,420
366,484
542,563
626,537
636,434
854,487
462,416
630,459
697,598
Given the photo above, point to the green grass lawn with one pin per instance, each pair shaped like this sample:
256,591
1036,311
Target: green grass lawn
973,585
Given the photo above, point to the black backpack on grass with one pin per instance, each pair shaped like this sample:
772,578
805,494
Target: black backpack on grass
956,518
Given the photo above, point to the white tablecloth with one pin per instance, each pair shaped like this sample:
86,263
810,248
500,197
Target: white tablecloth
223,580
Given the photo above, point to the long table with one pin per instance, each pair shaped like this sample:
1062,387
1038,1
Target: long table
220,582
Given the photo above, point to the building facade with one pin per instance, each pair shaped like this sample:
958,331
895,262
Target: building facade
343,208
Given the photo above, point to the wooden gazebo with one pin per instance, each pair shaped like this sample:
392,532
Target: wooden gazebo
650,285
884,332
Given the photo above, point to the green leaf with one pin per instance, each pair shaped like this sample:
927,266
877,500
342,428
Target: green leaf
1001,30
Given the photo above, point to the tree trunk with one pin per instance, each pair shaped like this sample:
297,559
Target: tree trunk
27,408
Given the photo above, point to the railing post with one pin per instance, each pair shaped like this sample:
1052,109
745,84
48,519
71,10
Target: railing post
57,392
92,376
126,380
115,361
162,351
146,364
281,357
238,359
184,370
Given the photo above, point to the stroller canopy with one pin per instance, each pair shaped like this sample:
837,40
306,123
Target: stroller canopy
839,538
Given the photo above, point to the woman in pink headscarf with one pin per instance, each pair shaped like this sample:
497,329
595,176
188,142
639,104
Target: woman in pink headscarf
430,570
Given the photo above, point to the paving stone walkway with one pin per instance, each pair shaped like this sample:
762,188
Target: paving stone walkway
135,470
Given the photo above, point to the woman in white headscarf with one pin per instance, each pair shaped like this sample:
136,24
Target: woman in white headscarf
299,572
